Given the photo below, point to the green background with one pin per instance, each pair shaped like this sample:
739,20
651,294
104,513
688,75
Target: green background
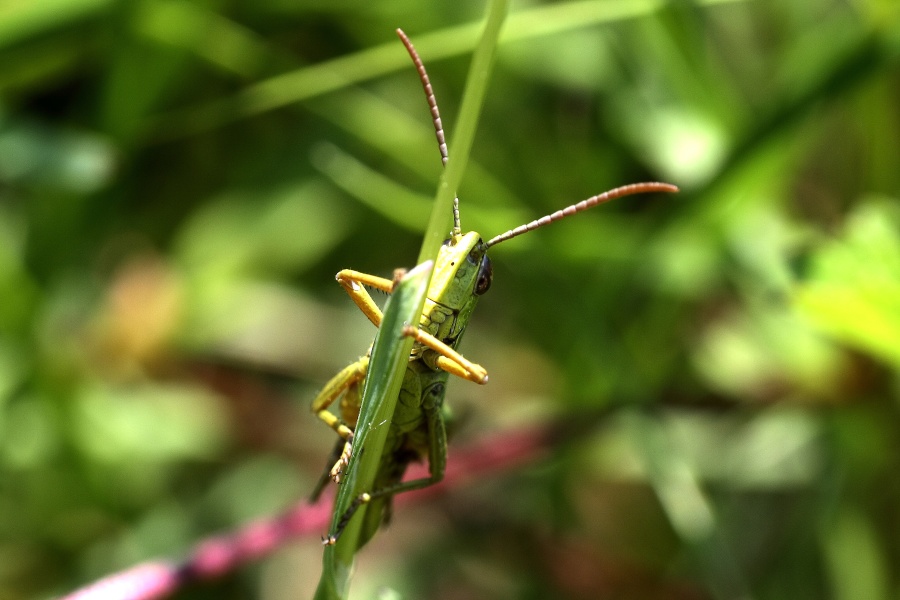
179,182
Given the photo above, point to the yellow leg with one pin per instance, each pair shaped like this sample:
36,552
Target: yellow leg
343,461
353,282
450,360
346,378
345,382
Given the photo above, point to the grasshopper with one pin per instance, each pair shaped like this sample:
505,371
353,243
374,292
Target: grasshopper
462,273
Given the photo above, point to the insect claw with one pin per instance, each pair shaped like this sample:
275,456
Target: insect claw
343,462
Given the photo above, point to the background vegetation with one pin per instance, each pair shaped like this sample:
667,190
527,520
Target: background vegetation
179,182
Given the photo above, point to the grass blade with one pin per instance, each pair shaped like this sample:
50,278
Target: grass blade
390,353
461,141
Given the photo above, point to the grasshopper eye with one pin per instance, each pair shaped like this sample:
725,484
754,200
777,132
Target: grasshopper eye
485,276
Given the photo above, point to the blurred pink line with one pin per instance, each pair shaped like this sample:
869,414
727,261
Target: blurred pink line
218,555
211,557
147,580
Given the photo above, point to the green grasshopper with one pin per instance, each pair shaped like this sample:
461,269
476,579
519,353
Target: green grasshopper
462,273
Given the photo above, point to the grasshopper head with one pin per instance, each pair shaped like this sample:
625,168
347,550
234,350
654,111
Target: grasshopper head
462,270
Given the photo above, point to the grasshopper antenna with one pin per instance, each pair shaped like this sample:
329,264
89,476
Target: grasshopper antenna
625,190
435,117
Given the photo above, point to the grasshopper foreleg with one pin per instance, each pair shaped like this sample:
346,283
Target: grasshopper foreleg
353,283
449,360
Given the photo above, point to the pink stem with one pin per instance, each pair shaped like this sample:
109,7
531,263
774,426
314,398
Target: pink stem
218,555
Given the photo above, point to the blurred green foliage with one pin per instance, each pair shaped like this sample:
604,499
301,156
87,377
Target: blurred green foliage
179,182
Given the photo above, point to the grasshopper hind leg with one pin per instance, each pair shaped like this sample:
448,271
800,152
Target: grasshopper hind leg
345,385
391,484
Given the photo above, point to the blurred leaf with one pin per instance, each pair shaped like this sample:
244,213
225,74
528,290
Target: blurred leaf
34,154
852,292
21,19
140,425
251,232
218,40
854,558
